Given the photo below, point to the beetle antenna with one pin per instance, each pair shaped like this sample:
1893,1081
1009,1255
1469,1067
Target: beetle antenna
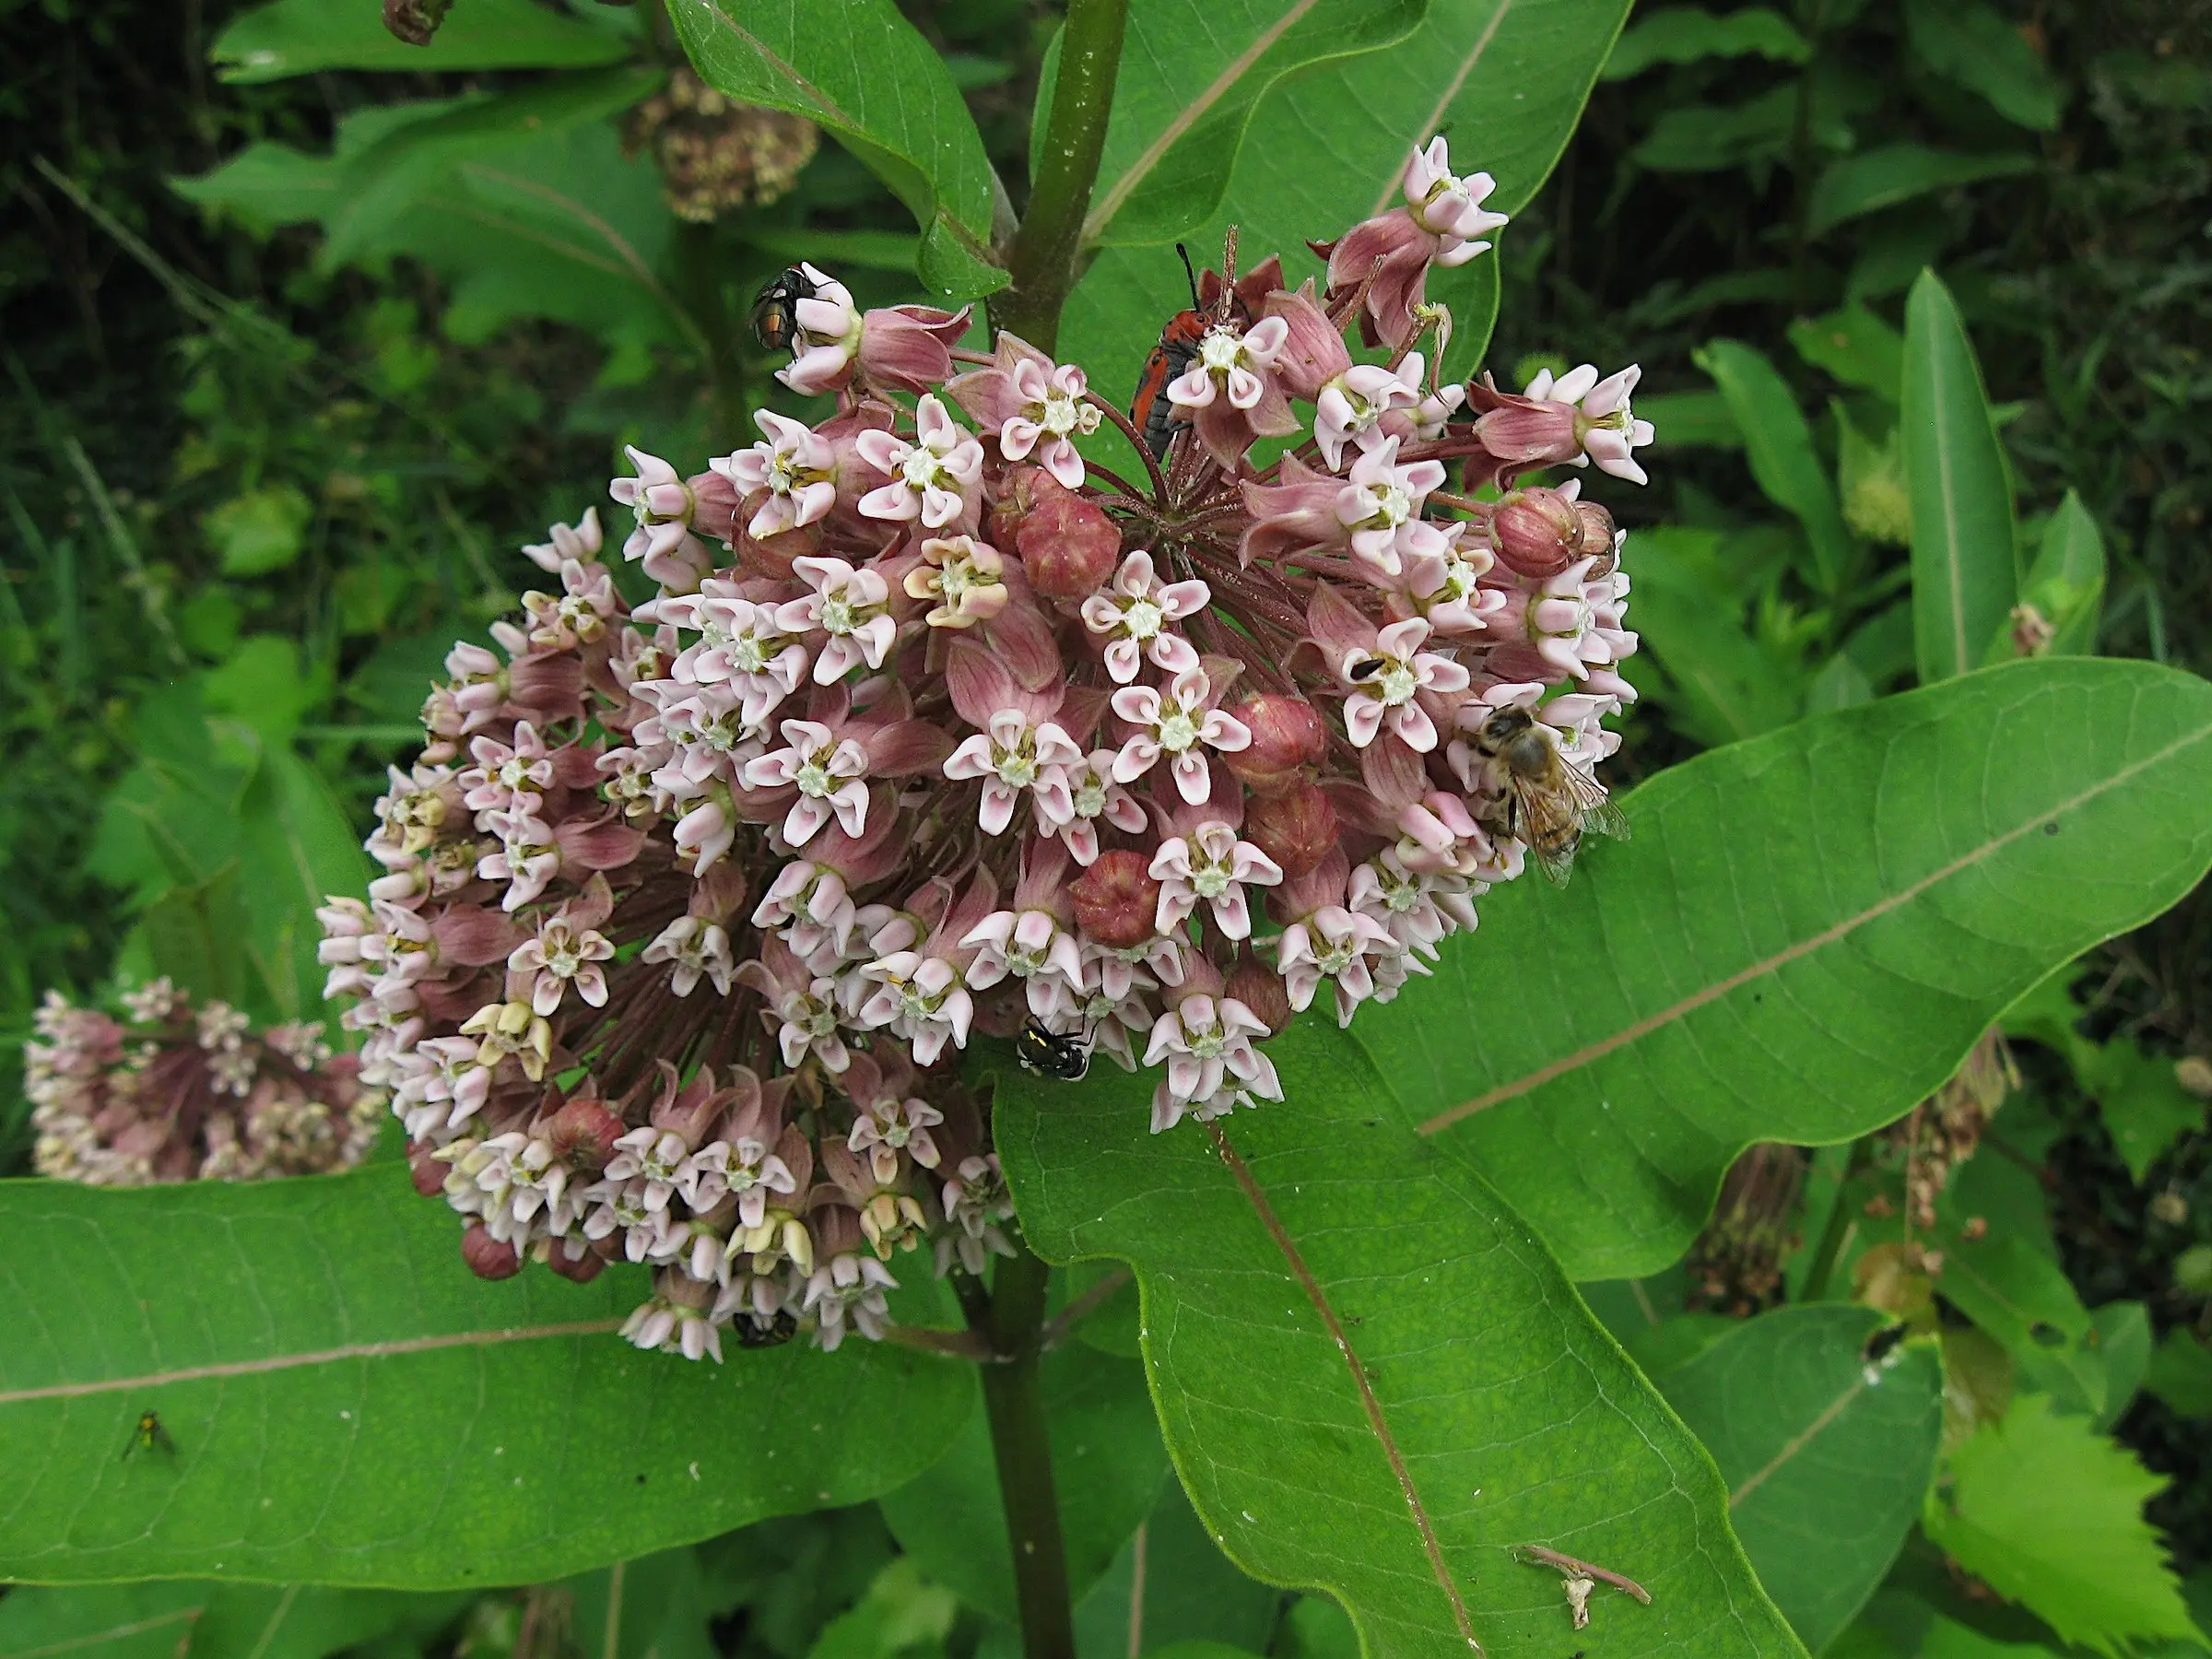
1185,255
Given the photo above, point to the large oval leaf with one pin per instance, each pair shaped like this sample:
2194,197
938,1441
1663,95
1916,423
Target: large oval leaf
1827,1457
1371,1377
344,1403
1805,936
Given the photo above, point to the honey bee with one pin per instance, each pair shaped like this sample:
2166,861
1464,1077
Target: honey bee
1549,800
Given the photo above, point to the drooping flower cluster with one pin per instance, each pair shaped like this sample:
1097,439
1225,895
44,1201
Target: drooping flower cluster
179,1093
940,727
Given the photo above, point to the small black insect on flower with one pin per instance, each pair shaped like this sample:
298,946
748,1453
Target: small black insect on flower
148,1435
775,1334
776,308
1042,1050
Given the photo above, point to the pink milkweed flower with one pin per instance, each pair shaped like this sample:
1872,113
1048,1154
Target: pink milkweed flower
567,949
696,948
1033,946
802,1012
1381,508
663,505
506,775
1179,723
909,347
1381,671
934,479
1133,614
742,646
1211,864
829,771
1338,944
1350,408
1573,620
1035,406
1296,515
1574,417
1417,908
1092,795
579,541
1206,1040
852,607
962,578
1229,391
828,337
1445,587
1011,755
1439,224
797,469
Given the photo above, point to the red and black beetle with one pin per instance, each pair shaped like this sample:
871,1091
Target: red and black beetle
1151,413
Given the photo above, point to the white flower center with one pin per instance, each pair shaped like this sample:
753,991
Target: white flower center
814,778
749,654
1220,350
1335,958
1392,505
1210,881
1178,730
1208,1044
561,956
1395,684
1142,619
921,469
1059,414
1090,797
837,615
1017,768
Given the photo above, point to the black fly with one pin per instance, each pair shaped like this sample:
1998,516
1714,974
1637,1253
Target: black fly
1042,1050
1367,670
776,308
1883,1343
148,1434
775,1334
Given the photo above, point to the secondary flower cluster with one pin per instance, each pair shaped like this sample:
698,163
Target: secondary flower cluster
182,1093
937,725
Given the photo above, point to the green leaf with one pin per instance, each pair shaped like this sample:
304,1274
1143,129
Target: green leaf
899,1614
1854,346
523,201
2143,1105
1191,78
1689,34
1964,571
261,531
197,936
2065,583
298,37
1107,1469
1826,1457
1328,149
1721,684
1779,445
1892,173
121,1621
869,79
1185,1589
1714,137
1807,933
2090,1566
295,839
1693,419
1969,42
1371,1378
348,1405
2181,1374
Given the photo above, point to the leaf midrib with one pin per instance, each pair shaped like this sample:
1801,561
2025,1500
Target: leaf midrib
1588,1053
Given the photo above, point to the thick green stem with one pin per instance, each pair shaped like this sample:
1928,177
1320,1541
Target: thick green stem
1012,1317
699,269
1043,257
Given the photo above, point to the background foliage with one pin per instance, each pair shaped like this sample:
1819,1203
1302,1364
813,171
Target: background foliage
304,331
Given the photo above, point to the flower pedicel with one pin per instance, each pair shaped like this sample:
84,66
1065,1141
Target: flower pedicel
939,727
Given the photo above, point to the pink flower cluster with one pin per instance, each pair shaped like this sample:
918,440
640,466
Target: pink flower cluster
179,1093
939,726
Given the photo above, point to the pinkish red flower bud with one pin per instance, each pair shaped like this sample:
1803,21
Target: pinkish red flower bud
1288,735
1260,989
583,1133
714,506
910,346
581,1269
486,1257
1600,539
1538,532
1116,899
1295,827
427,1172
1068,545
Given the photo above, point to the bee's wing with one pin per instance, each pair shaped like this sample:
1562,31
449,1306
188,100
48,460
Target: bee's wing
1557,863
1596,804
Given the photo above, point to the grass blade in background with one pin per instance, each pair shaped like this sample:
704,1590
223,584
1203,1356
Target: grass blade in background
1965,571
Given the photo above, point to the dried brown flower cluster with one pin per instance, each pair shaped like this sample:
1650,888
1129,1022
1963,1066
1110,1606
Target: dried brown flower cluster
716,155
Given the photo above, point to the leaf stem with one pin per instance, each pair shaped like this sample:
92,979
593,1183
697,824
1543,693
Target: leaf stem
1011,1315
1043,257
1832,1236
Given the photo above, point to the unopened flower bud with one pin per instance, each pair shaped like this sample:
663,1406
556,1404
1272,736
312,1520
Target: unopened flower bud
1117,898
1295,827
1261,989
1287,734
1600,539
426,1170
581,1269
715,510
1068,546
583,1134
1538,531
486,1257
